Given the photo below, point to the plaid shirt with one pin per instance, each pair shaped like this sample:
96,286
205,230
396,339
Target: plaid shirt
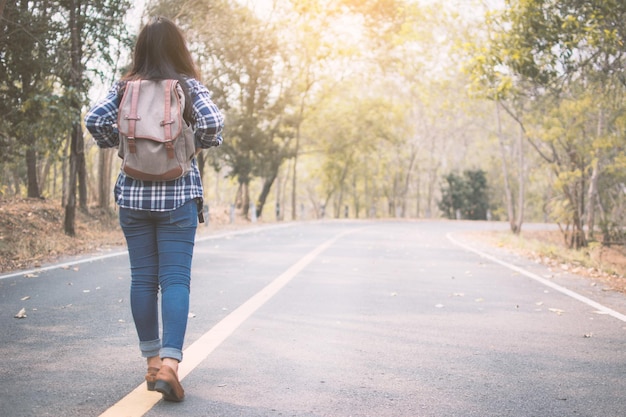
101,121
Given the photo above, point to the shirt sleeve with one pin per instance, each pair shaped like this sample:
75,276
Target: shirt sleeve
101,120
209,120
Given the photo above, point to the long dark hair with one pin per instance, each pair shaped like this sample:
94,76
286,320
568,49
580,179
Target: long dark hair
161,53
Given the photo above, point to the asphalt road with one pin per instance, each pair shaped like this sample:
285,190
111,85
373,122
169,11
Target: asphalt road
322,319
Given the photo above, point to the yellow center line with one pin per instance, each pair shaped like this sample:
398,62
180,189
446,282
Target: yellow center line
139,401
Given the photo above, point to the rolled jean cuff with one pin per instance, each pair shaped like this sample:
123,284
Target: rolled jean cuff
150,348
173,353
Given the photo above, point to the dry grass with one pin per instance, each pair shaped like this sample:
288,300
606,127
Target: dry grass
31,232
607,264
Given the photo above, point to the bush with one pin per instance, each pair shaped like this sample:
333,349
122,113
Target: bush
466,195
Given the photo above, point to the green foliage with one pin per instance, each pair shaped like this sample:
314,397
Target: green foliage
241,57
42,83
362,104
558,69
466,194
24,64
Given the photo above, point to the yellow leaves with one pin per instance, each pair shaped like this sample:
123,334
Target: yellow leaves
570,22
505,85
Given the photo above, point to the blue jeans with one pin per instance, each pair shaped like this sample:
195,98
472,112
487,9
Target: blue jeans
160,247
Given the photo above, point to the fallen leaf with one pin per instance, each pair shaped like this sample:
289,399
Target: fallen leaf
25,298
31,276
21,314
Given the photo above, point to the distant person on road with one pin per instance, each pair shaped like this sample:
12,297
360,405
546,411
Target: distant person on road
159,218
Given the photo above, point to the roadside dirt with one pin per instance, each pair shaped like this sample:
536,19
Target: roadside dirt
600,263
31,232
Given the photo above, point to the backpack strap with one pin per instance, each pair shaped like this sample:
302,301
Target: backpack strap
167,118
133,116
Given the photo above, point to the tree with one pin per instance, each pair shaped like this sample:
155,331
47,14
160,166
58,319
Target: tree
33,112
465,195
243,59
556,54
94,31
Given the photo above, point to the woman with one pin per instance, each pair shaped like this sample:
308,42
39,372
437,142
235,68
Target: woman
159,219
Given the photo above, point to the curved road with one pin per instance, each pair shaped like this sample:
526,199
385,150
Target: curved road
336,318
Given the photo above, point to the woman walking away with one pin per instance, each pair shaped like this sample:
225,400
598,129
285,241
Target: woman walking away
159,218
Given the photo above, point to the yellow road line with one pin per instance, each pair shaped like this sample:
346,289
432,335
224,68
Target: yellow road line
140,400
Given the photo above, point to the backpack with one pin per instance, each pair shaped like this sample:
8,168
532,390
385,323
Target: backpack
156,144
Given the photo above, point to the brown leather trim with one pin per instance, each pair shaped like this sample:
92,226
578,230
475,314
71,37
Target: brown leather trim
172,174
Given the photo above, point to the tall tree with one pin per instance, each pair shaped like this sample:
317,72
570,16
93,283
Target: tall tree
560,51
94,31
32,112
242,60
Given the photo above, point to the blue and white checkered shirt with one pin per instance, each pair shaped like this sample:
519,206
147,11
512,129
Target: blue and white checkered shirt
101,121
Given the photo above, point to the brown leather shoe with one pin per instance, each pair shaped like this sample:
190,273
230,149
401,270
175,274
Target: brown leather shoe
151,378
168,385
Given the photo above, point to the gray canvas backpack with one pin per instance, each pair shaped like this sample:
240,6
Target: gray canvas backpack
156,144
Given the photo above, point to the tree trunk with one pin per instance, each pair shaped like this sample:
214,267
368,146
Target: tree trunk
267,186
294,179
70,207
576,239
592,200
242,199
418,195
510,211
592,194
105,157
521,183
44,173
81,170
16,181
31,169
65,171
77,154
238,196
407,182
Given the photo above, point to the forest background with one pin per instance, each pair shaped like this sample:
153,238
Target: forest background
504,110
